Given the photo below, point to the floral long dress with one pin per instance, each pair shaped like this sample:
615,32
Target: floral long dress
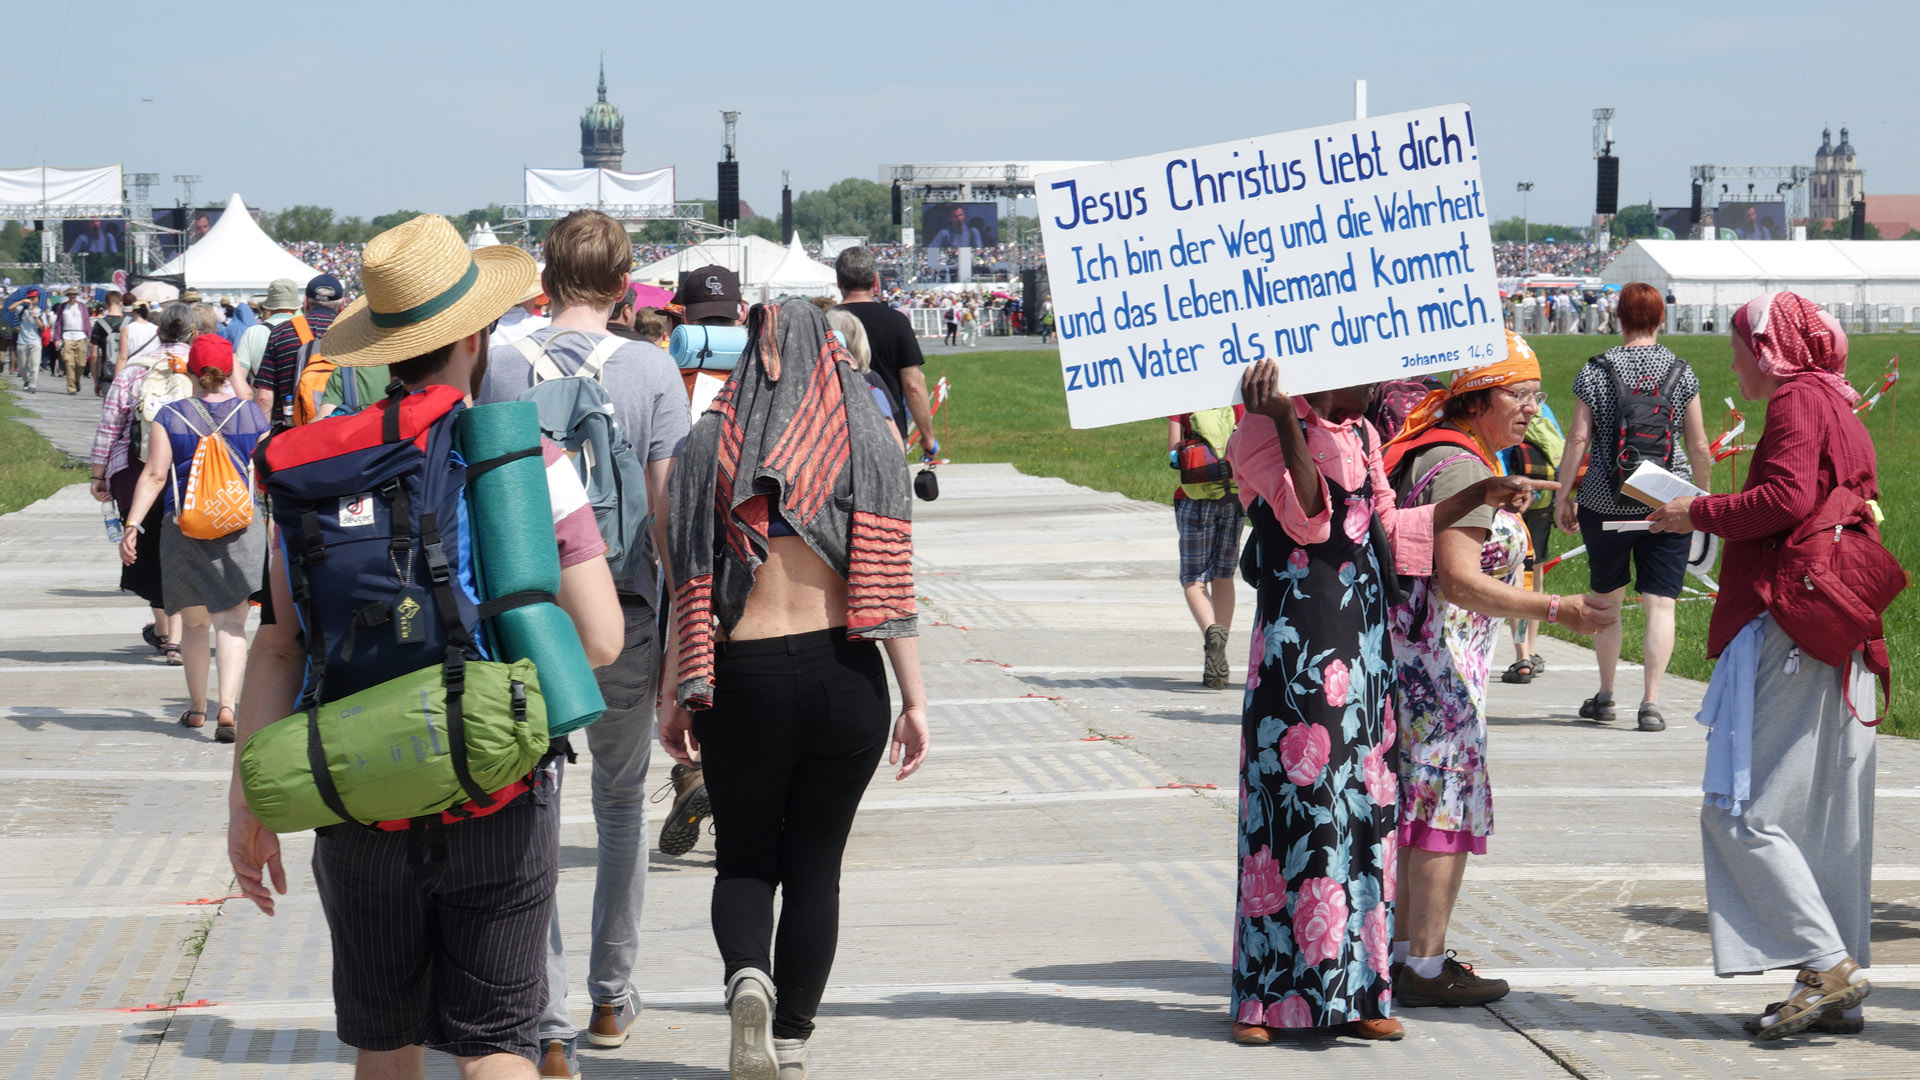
1317,793
1445,655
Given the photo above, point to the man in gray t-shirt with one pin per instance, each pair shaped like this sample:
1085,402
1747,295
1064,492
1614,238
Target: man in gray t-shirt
646,391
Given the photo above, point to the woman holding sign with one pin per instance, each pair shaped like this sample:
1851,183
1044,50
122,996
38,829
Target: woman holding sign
1787,825
1317,795
1444,638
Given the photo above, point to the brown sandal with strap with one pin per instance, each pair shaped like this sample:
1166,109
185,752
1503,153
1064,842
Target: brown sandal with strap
224,730
186,718
1820,994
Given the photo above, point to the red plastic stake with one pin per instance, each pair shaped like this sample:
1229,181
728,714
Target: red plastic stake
203,1003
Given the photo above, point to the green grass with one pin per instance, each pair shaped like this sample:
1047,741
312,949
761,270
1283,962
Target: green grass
30,468
1009,406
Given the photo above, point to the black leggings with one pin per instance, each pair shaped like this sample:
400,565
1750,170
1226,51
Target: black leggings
796,729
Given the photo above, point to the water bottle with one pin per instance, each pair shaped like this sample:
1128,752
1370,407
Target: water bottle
110,514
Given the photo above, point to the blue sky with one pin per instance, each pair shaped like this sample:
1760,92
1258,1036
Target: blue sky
370,107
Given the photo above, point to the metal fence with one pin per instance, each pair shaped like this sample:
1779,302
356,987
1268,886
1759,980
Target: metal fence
1715,319
931,322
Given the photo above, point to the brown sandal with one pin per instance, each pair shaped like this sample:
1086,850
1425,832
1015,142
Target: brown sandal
224,730
187,718
1820,993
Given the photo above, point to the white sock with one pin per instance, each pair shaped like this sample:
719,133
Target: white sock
1827,962
1399,952
1426,966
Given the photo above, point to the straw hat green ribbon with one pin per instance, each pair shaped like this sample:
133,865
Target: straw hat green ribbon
393,320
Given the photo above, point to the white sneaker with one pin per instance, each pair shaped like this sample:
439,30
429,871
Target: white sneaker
750,1006
792,1056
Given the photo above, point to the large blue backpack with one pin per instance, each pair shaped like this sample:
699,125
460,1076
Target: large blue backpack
380,555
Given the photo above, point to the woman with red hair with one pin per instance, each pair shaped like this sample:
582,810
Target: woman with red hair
1638,369
1787,823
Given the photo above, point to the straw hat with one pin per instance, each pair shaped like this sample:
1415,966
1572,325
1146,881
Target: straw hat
424,289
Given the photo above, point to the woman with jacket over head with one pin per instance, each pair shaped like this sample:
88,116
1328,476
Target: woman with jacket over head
1787,823
1317,795
792,551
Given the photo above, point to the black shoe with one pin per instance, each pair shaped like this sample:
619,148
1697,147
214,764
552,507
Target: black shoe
690,804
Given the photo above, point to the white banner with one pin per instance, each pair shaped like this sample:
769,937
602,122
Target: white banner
1350,253
832,246
60,187
599,187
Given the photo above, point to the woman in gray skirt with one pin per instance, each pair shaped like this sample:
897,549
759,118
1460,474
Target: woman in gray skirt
206,582
1787,825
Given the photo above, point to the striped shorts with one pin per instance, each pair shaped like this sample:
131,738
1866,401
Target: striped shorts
440,936
1209,537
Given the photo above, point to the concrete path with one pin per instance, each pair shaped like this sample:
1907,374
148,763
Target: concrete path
1051,897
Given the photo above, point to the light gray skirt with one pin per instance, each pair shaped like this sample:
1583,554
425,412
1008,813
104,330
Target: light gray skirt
213,574
1790,878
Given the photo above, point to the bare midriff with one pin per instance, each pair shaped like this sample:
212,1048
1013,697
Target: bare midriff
794,592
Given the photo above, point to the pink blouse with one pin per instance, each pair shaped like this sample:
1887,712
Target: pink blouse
1260,468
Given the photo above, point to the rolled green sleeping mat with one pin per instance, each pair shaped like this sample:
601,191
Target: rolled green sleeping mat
513,529
389,752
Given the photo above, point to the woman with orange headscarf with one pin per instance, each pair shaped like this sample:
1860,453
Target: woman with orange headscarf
1444,638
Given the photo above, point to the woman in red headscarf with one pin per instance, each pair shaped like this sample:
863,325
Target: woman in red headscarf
1444,638
1787,824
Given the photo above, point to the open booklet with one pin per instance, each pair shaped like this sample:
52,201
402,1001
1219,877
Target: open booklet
1655,486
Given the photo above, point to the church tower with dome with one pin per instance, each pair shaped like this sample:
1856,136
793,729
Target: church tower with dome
602,131
1837,179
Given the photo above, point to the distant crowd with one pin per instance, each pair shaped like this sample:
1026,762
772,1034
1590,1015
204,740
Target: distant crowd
1573,258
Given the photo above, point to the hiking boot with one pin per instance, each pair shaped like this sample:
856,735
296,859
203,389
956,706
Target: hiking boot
557,1059
792,1057
1455,985
690,804
750,1009
1821,993
610,1022
1214,673
1650,718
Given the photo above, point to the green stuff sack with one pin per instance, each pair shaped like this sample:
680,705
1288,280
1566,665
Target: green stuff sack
387,749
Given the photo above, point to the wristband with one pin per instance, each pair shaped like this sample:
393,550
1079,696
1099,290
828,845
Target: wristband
1553,609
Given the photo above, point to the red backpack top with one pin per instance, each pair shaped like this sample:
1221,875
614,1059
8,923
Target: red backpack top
1832,583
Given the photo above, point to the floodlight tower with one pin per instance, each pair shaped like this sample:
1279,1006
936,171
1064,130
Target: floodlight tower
1526,235
188,181
1606,202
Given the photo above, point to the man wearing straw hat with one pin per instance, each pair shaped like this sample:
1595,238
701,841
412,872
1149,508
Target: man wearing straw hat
448,953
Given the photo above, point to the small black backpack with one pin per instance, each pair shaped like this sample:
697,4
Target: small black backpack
1643,419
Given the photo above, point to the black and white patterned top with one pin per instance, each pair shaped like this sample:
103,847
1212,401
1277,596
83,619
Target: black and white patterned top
1636,363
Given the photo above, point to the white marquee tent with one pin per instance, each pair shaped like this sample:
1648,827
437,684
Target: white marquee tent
799,275
236,256
751,257
1727,272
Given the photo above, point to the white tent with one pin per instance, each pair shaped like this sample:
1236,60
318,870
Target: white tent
1728,272
482,236
799,275
236,256
751,257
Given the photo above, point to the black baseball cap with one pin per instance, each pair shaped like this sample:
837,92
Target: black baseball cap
707,292
325,288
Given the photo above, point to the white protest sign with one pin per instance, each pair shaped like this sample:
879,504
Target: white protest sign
1349,253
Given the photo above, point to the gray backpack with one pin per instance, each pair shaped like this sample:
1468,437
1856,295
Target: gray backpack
577,414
